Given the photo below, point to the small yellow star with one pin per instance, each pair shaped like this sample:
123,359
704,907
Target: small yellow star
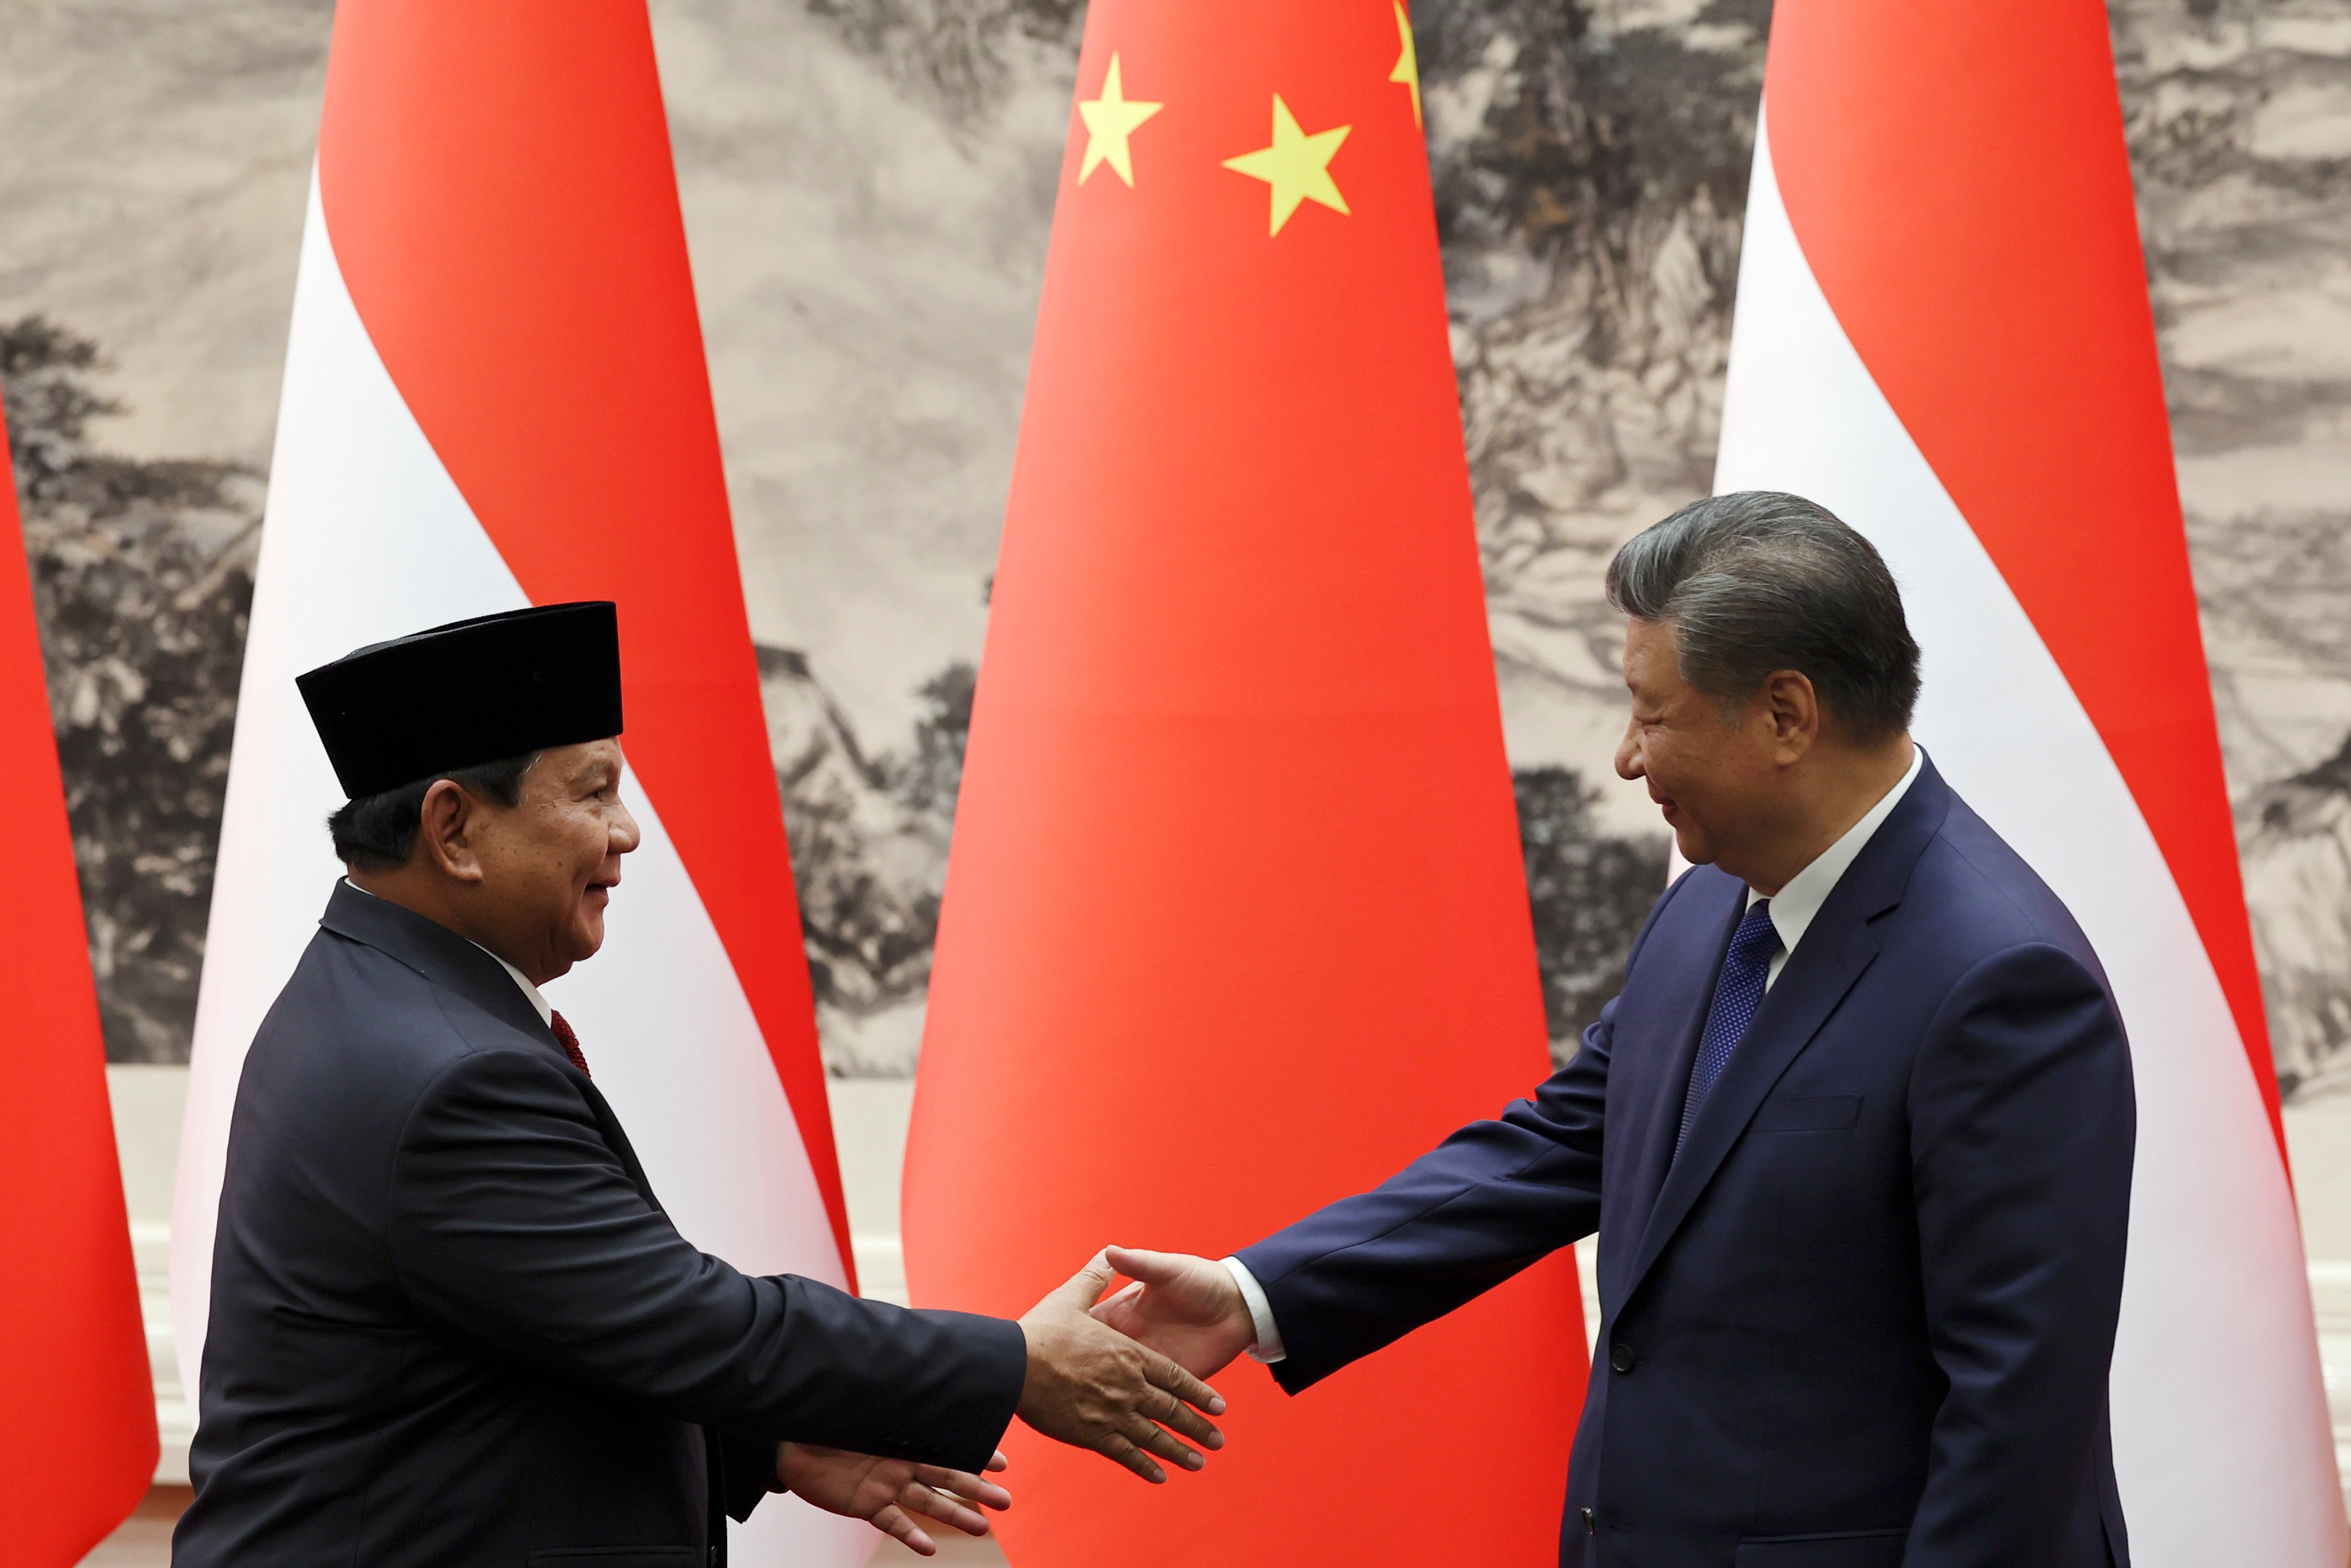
1407,66
1110,121
1298,166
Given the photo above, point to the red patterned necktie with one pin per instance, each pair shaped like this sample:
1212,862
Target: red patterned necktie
567,1040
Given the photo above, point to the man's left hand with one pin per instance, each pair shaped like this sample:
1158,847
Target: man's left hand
888,1494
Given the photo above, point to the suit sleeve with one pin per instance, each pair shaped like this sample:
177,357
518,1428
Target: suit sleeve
1481,1206
747,1463
2022,1125
514,1226
1488,1202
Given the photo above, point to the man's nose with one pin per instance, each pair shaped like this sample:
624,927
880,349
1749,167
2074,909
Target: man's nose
626,835
1628,754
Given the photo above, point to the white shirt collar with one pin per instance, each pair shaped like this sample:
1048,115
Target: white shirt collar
545,1012
1795,905
530,991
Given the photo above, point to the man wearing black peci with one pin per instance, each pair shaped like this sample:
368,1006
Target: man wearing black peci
450,1321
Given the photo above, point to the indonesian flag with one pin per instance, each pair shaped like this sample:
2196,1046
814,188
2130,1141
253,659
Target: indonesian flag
496,396
77,1442
1943,336
1235,921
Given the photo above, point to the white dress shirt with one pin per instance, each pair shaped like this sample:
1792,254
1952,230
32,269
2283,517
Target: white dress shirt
545,1013
1792,910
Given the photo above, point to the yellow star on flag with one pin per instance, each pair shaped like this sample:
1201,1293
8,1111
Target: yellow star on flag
1110,121
1407,66
1298,166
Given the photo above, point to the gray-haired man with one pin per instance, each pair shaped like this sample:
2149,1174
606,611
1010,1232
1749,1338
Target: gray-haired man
1856,1135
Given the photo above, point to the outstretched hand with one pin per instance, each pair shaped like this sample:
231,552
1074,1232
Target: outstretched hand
1092,1387
888,1494
1189,1309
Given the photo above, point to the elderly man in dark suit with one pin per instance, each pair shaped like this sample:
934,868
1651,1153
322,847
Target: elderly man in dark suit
450,1321
1856,1135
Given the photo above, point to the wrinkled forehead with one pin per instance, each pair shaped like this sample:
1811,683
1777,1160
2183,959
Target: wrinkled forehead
581,762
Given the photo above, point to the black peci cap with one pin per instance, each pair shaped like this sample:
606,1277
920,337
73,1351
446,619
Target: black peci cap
468,693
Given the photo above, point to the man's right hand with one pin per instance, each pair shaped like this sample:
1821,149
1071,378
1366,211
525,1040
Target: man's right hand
1189,1309
1094,1387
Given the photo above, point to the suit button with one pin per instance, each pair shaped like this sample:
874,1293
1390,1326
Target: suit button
1591,1525
1621,1357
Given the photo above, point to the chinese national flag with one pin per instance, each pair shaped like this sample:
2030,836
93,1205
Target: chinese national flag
77,1406
1235,922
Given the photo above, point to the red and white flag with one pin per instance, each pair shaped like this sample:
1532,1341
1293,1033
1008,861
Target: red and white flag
1943,335
77,1406
496,396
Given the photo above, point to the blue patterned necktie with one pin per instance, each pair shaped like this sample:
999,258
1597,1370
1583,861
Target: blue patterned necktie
1737,993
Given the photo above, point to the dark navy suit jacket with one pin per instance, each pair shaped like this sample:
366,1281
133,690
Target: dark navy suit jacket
452,1325
1866,1317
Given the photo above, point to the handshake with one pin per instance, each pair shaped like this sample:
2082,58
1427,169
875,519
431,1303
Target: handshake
1121,1377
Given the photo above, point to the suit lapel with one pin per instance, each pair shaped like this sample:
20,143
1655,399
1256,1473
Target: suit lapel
618,1138
438,954
1807,991
1653,1113
1837,948
448,960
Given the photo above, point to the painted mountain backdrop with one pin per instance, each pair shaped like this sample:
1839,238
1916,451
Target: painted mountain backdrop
867,186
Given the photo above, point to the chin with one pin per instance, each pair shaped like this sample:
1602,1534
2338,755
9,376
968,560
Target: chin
586,939
1694,849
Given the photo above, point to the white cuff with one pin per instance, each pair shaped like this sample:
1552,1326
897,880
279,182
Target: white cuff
1268,1347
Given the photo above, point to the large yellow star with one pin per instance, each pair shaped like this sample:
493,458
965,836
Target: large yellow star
1407,66
1110,121
1298,166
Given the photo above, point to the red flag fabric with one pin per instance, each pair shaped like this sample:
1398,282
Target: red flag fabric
502,203
1235,919
77,1444
1943,335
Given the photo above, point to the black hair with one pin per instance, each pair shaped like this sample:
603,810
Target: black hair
377,832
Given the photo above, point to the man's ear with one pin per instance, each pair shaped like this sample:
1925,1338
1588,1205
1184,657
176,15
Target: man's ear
1793,709
446,818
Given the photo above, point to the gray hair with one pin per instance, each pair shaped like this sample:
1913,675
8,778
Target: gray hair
1759,580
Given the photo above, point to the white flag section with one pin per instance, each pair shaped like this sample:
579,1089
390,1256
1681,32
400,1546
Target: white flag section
367,538
2221,1429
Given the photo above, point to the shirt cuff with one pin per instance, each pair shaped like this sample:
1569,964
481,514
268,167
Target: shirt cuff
1268,1347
